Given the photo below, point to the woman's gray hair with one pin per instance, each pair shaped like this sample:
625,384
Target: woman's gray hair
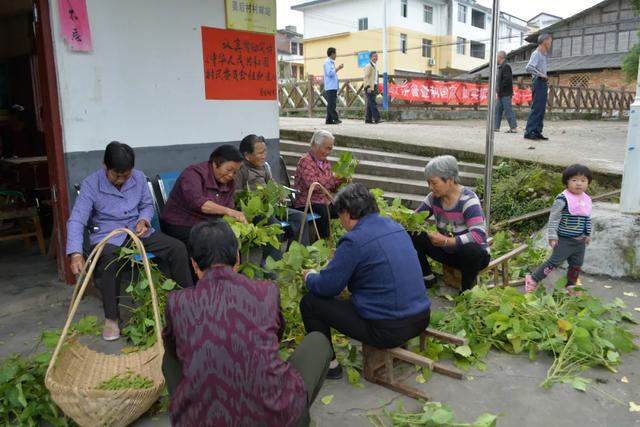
319,136
444,167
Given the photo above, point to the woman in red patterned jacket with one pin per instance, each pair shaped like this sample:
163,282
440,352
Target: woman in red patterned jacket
314,167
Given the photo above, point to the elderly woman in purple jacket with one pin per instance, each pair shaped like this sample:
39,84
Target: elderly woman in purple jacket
118,197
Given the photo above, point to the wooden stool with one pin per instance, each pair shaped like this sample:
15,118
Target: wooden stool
499,267
24,215
379,364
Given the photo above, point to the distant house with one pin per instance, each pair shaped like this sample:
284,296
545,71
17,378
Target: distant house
542,20
290,48
588,48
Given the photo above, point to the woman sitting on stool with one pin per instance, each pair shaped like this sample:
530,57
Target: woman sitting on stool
376,262
461,239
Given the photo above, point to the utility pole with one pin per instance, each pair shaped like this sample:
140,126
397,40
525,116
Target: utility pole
630,196
491,98
385,74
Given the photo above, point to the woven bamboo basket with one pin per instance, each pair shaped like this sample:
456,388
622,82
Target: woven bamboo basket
75,370
309,209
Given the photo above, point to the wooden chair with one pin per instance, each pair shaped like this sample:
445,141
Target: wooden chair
498,268
379,364
29,222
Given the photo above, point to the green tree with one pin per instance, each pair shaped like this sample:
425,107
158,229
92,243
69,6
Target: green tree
630,63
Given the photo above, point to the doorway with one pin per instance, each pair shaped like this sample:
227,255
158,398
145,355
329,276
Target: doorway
32,174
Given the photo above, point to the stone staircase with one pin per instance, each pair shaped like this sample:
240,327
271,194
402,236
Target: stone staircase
398,174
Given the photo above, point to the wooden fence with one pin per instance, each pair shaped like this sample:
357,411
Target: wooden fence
308,96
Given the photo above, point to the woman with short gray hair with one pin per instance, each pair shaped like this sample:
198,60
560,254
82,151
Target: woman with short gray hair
461,239
314,167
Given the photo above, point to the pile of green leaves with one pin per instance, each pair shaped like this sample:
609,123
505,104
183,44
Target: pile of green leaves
346,166
251,235
580,331
126,381
140,327
24,399
265,201
290,277
433,414
518,190
413,222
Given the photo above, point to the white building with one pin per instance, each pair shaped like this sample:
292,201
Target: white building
439,36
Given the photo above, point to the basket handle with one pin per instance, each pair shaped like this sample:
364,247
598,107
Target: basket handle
85,276
308,207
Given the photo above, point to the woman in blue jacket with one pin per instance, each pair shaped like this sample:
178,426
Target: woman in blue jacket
376,261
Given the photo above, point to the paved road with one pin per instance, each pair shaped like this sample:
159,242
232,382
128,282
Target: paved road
598,144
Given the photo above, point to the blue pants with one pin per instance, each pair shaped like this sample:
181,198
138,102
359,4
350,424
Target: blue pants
504,106
536,116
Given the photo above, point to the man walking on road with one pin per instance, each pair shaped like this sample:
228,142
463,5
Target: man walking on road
537,66
372,115
331,86
505,92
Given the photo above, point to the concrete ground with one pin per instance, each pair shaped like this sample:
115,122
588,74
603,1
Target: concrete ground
510,385
599,144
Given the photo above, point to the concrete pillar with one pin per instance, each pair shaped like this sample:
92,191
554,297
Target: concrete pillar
630,197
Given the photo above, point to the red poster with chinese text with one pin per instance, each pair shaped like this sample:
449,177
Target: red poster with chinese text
238,65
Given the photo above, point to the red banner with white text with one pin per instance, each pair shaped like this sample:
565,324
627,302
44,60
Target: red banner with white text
437,92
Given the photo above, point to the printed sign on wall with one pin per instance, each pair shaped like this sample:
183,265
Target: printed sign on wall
74,23
238,65
251,15
364,58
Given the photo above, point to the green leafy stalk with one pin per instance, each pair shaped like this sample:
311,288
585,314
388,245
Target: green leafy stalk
346,166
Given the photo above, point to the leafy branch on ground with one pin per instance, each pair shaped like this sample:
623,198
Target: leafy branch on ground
24,399
579,331
433,414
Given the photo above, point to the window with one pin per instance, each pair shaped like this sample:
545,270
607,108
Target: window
556,48
462,13
623,41
404,7
610,42
477,50
509,33
478,19
576,46
566,47
428,14
294,48
426,48
300,50
363,24
403,43
294,73
460,45
301,71
598,43
587,45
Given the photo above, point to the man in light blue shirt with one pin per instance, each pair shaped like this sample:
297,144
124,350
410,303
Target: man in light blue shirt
331,86
537,66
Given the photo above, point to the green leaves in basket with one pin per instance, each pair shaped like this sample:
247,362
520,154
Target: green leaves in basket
126,381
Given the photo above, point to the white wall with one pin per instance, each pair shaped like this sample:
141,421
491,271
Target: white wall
143,83
341,16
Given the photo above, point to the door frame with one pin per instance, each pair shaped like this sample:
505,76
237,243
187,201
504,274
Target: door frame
49,112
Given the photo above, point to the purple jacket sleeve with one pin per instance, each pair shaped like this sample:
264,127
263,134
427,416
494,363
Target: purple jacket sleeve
80,217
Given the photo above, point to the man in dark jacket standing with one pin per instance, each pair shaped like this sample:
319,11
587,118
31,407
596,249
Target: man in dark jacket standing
505,92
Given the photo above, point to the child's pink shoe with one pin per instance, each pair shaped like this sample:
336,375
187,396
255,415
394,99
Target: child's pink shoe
530,285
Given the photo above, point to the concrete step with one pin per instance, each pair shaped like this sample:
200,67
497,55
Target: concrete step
388,184
386,169
378,156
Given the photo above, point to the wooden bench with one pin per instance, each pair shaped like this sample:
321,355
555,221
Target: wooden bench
498,267
379,364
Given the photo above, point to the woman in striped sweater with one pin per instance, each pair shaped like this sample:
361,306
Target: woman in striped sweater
461,239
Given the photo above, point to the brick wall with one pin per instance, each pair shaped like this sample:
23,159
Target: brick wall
610,78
